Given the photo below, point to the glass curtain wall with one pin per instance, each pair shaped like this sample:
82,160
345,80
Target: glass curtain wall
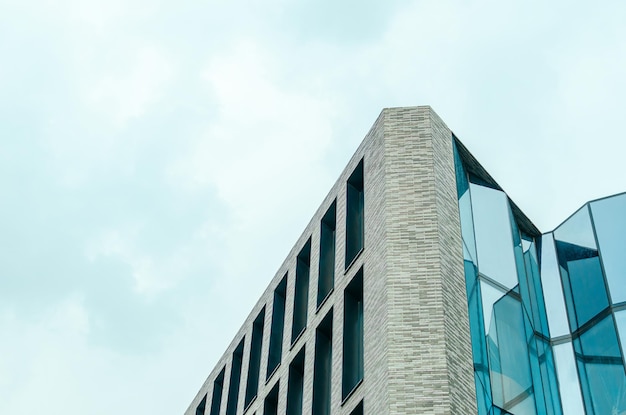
547,312
514,367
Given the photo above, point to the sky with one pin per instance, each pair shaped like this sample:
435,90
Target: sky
158,159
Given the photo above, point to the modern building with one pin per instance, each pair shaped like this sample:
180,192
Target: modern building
419,287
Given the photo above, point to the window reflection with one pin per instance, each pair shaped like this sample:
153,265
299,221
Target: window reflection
494,241
552,290
609,217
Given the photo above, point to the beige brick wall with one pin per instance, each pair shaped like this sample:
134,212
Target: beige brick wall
417,347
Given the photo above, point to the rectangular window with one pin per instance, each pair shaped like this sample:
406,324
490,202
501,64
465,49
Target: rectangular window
295,387
353,335
354,214
235,379
301,296
358,410
270,406
201,406
278,324
218,387
326,279
322,366
252,385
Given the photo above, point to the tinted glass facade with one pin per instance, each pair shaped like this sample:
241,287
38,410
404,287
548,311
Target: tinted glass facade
545,311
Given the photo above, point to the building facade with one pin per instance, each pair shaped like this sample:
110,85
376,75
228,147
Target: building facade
419,287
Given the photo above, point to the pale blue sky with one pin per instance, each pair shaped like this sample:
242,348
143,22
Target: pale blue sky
146,148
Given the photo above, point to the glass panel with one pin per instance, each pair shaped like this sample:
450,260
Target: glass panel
568,379
585,292
552,289
490,295
620,321
577,230
511,380
601,369
609,217
494,241
218,386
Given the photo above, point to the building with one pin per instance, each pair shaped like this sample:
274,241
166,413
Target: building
419,287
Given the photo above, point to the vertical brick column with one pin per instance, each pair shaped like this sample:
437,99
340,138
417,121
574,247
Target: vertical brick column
430,361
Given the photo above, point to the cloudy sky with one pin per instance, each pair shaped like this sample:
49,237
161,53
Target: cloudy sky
145,149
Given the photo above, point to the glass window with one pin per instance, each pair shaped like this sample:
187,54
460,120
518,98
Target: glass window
235,379
353,335
609,217
326,279
354,214
270,406
577,230
620,322
254,361
569,388
295,385
494,241
278,324
552,289
301,295
218,387
601,369
201,406
322,366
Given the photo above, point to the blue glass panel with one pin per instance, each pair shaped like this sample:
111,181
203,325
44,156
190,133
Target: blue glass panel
585,291
534,291
490,295
492,229
462,185
577,230
620,321
511,379
609,217
601,369
569,388
552,289
549,381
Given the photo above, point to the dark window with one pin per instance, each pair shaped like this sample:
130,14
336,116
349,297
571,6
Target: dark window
201,406
353,335
218,386
278,324
270,406
358,410
301,297
235,379
295,387
326,279
354,214
252,385
322,366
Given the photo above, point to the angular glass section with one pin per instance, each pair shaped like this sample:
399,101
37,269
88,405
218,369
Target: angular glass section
577,230
609,218
358,410
601,369
301,295
620,322
552,288
511,378
568,379
326,279
494,240
218,387
583,282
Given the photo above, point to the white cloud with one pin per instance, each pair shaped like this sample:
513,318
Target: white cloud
129,92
